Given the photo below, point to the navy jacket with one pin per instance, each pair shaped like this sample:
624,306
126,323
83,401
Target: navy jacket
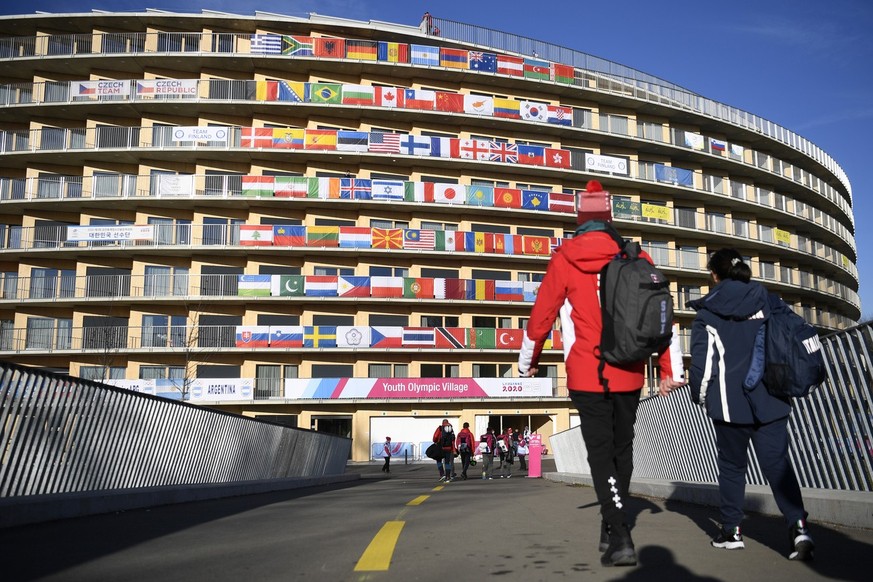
722,348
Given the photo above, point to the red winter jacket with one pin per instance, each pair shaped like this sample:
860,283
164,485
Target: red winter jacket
466,436
571,289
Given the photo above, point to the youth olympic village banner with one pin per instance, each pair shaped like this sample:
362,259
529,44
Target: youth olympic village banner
416,388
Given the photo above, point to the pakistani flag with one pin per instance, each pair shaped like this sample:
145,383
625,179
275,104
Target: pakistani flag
286,285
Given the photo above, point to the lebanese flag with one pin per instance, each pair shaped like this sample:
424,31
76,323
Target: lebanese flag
389,97
256,235
509,339
507,65
561,202
507,197
557,158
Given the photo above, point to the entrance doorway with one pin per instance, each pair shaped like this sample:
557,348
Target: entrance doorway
336,425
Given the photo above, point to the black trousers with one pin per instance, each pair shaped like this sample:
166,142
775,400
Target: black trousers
386,467
607,426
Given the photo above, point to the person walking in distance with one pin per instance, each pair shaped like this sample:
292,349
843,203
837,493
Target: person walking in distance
386,452
487,443
507,445
444,436
570,289
723,339
465,444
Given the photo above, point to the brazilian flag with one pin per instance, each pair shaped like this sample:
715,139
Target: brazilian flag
325,93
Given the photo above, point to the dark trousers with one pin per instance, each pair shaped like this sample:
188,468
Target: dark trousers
466,456
607,425
771,448
386,467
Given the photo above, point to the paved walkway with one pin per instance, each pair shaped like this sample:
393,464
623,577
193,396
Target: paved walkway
409,527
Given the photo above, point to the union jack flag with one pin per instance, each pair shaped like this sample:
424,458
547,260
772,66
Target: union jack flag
503,152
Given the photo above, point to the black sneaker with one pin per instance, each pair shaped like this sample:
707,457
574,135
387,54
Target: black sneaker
604,537
731,539
620,550
802,546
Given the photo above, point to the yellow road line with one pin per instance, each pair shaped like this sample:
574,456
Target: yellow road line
419,500
377,556
439,488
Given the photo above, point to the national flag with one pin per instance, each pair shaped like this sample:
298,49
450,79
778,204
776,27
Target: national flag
386,337
353,286
386,286
424,55
717,145
287,285
559,115
256,137
509,290
530,290
289,235
454,58
556,158
418,239
474,149
322,236
286,336
533,111
253,285
562,202
737,151
509,339
358,94
536,245
483,62
291,138
355,189
334,48
563,73
295,91
389,97
474,242
534,200
490,238
452,102
418,337
351,141
256,235
385,142
418,192
415,145
291,187
87,89
507,65
324,188
504,152
325,93
419,98
393,52
509,108
449,194
479,105
482,338
354,237
554,243
387,238
694,140
449,240
536,69
445,288
266,90
507,197
319,336
450,337
417,288
388,189
480,195
480,289
320,285
531,155
353,336
265,44
362,50
257,186
320,139
444,147
252,336
557,340
298,46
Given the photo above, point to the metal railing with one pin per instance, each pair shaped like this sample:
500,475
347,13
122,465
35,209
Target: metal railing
60,434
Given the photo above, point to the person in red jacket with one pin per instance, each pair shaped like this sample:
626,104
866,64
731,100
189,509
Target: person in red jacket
466,444
444,436
570,289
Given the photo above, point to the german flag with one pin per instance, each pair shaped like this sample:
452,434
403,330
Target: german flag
363,50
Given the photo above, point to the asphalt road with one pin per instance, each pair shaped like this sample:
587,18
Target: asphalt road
409,527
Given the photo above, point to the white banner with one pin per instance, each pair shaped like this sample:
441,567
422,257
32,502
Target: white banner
606,164
196,133
144,386
175,185
98,88
110,233
222,389
180,87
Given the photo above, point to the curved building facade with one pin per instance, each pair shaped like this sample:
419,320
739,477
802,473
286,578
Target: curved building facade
342,225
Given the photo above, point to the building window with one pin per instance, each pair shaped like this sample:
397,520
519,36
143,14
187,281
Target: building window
440,321
738,190
388,371
614,123
768,270
658,250
716,222
688,293
100,373
741,227
685,217
689,258
162,281
333,371
650,130
440,371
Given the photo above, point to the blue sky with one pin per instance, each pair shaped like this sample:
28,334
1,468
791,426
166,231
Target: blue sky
805,65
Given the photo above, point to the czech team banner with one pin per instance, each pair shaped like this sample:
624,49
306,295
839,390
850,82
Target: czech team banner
381,388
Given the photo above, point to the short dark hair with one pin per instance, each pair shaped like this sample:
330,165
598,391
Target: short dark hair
466,425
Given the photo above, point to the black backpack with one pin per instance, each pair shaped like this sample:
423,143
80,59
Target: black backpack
447,439
793,361
636,307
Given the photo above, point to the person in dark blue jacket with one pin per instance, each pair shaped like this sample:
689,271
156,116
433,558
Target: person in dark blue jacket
722,352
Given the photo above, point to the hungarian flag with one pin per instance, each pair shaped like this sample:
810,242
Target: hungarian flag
453,102
257,186
507,197
557,158
334,48
387,238
417,288
362,50
507,65
289,235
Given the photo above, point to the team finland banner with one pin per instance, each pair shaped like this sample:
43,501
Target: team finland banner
606,164
197,133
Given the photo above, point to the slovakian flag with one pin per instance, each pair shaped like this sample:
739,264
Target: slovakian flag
286,336
451,102
559,115
389,97
450,337
562,202
415,145
252,336
454,58
509,339
417,288
388,189
289,235
507,197
387,238
418,337
537,70
509,290
507,65
353,286
354,237
556,158
480,195
319,336
320,285
256,235
419,98
386,337
386,286
393,52
531,155
484,62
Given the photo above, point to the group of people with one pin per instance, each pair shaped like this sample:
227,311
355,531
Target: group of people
723,340
504,448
